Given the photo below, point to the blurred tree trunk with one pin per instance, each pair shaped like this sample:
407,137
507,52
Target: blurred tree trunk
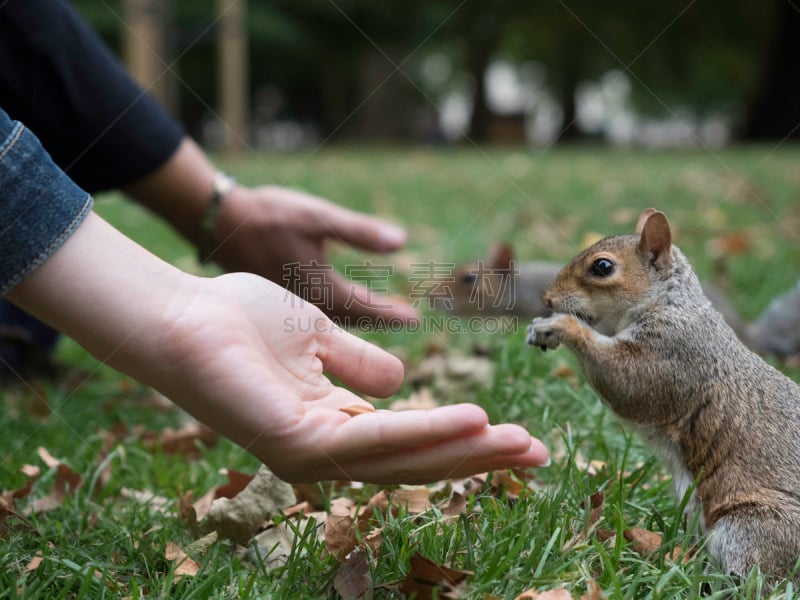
146,48
480,55
232,73
774,111
569,110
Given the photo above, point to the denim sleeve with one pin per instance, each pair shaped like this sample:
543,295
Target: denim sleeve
39,205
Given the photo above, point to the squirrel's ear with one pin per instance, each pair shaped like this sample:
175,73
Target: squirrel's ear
501,256
648,212
655,240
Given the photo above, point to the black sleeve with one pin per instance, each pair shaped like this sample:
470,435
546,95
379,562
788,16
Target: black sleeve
60,79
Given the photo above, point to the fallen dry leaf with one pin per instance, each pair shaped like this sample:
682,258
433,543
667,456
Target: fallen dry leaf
184,565
340,534
605,535
344,529
456,506
426,578
182,441
274,546
566,373
352,580
729,244
643,541
8,498
201,545
301,508
34,563
450,374
67,480
533,593
504,480
422,399
596,502
240,517
156,503
593,591
415,499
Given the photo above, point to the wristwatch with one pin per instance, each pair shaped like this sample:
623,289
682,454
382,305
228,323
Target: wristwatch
223,184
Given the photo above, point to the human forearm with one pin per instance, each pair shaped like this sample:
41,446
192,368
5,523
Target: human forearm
179,190
249,359
104,291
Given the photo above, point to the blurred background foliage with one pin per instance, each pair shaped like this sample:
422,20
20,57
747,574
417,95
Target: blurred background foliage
392,70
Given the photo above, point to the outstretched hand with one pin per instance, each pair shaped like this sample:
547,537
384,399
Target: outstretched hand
250,359
266,229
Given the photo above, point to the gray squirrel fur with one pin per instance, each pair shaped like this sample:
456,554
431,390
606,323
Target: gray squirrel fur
660,356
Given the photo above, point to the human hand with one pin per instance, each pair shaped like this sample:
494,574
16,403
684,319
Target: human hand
248,358
264,229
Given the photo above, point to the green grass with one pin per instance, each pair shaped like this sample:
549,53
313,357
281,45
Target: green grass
454,204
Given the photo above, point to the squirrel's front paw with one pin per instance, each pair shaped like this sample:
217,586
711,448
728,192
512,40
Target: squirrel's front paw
541,333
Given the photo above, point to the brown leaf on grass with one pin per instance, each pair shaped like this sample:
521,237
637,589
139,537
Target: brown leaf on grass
352,580
534,594
645,542
274,547
456,506
593,591
566,373
34,563
592,468
357,409
729,244
426,578
596,502
344,528
415,499
340,534
422,399
240,517
642,541
453,373
159,504
301,508
67,480
8,497
605,534
184,565
505,480
183,441
194,511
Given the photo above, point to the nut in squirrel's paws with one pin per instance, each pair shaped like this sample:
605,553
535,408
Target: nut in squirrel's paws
541,333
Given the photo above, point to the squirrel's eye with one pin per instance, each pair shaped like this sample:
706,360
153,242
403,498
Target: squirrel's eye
469,278
602,267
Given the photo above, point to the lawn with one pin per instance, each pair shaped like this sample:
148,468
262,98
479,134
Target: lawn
736,216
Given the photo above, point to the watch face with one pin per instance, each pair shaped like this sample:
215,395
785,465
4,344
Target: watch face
223,183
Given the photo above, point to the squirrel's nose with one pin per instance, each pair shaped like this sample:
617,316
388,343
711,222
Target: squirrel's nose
548,301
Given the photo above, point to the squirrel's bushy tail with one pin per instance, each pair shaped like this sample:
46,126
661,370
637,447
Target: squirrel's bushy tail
777,330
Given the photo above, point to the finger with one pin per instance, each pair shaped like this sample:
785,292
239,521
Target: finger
388,431
363,366
455,458
360,230
359,305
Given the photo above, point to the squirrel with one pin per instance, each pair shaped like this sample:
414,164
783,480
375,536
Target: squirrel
504,286
649,342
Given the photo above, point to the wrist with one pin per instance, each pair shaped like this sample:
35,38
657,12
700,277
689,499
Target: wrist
207,239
